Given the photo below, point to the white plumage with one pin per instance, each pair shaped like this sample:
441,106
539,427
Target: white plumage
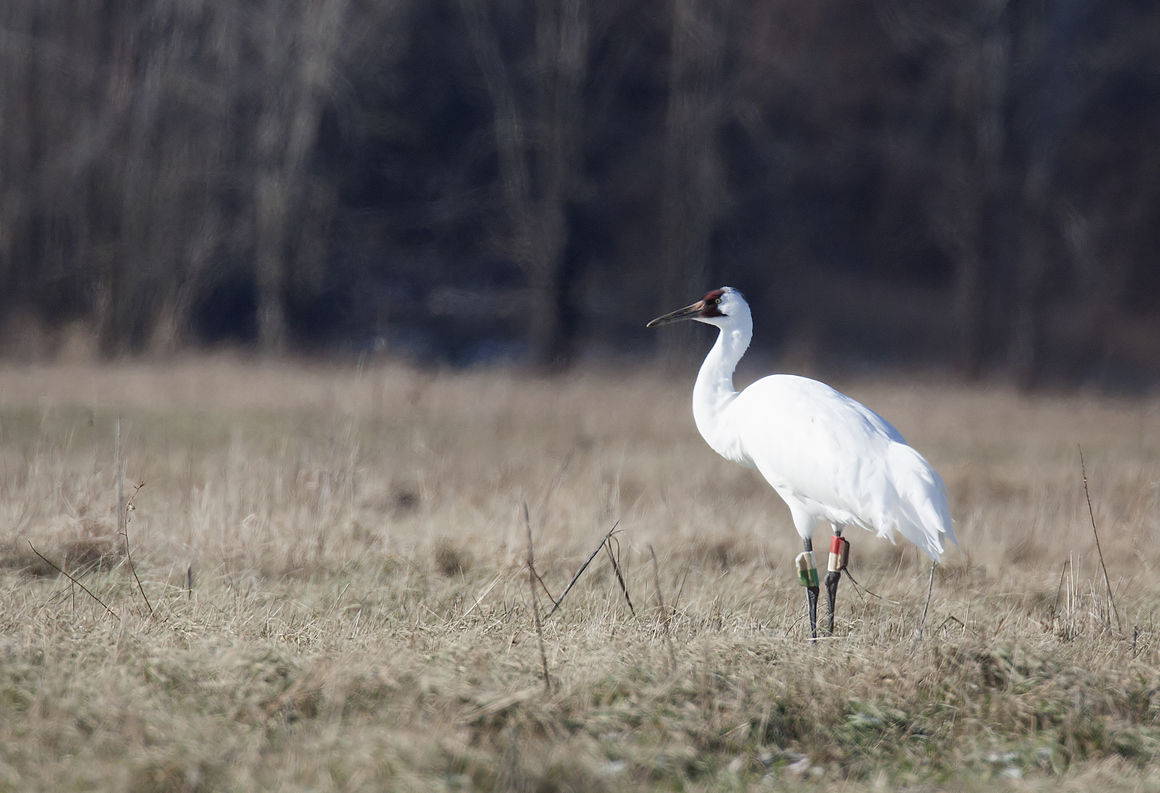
829,457
833,459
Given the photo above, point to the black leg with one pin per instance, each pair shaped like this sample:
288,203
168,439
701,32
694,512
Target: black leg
929,590
839,554
812,596
832,579
807,572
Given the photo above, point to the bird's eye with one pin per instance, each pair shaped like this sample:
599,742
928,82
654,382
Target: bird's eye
718,300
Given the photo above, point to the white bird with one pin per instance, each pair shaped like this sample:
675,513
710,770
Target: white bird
829,457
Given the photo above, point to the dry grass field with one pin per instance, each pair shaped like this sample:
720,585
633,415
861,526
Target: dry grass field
359,616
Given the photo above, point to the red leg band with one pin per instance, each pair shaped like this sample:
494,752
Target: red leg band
839,554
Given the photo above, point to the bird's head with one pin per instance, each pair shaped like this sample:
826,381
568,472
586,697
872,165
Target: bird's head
719,307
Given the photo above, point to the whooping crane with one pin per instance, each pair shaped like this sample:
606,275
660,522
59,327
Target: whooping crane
829,457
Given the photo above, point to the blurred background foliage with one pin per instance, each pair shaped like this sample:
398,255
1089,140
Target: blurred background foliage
973,186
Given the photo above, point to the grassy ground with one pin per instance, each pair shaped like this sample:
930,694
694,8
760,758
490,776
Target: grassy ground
359,615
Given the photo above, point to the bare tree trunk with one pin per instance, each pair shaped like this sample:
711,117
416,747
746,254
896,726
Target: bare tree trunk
970,309
1031,267
562,32
1054,97
539,173
141,71
17,104
301,47
983,78
270,218
693,187
1102,287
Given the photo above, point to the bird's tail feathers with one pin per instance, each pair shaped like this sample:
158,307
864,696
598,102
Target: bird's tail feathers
923,516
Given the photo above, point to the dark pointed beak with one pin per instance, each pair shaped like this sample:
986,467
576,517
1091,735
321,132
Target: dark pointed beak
688,312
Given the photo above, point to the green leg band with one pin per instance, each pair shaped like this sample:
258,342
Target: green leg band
807,569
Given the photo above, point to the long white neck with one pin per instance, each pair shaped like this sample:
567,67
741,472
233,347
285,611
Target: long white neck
713,391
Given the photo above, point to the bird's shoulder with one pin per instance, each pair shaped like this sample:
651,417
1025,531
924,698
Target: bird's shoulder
796,399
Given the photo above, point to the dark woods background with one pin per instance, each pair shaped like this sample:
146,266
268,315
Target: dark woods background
973,185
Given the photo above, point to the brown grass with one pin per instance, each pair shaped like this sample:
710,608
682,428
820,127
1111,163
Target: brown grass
360,613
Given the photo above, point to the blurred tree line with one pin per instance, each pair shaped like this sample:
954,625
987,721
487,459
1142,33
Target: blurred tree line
971,183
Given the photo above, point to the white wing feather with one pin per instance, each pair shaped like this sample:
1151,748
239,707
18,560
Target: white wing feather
833,459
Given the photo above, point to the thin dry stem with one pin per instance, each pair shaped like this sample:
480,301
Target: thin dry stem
119,476
544,586
129,507
583,567
535,608
1099,550
615,559
665,615
1059,588
86,590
